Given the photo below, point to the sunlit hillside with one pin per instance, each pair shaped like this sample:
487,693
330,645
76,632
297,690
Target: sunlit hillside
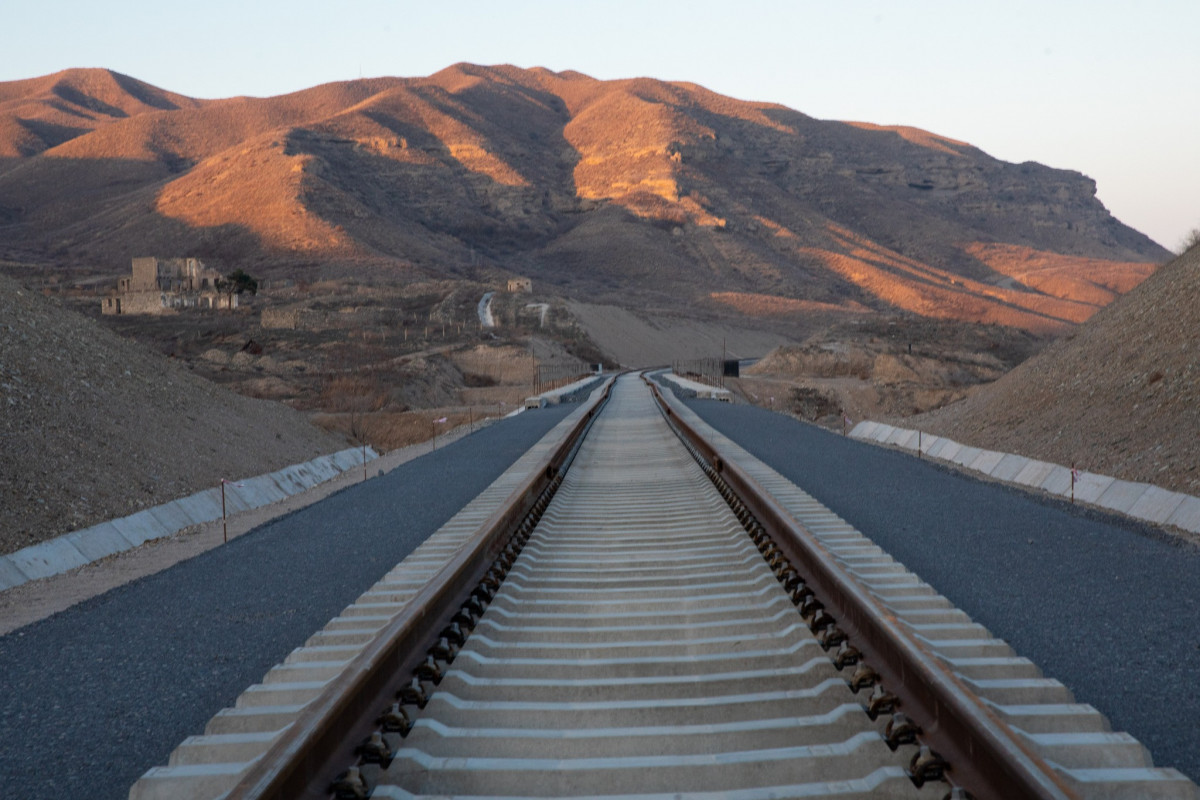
635,192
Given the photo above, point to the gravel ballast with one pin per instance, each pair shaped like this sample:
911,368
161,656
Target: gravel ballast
1108,607
97,694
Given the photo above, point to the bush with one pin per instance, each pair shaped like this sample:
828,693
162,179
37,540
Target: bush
1190,240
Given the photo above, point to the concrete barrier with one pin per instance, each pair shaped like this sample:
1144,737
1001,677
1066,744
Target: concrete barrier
556,396
702,390
1138,500
108,538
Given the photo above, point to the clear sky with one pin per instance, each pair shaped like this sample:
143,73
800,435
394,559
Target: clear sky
1105,87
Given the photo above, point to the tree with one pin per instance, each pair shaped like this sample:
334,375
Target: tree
1190,240
237,282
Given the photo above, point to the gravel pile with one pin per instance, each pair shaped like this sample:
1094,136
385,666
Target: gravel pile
94,427
1119,396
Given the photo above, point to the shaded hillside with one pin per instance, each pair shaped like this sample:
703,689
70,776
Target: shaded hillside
1118,396
95,427
637,192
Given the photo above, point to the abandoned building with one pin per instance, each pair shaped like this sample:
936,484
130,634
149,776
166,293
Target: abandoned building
517,285
163,285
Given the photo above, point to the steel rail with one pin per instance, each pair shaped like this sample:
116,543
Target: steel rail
983,753
305,758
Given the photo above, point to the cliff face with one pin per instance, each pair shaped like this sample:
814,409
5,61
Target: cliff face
636,191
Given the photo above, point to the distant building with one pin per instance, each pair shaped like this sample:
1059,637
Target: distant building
517,285
163,285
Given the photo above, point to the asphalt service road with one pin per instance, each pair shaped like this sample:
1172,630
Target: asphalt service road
99,693
1107,606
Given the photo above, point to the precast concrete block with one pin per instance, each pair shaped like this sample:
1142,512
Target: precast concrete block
907,439
265,495
288,481
242,498
348,459
949,450
266,489
1156,504
302,476
171,515
48,558
99,541
897,435
323,468
1009,467
254,492
202,506
966,455
309,473
1187,515
192,780
925,443
1121,495
10,575
938,446
236,500
1057,481
1033,473
986,461
1089,486
863,429
141,527
882,432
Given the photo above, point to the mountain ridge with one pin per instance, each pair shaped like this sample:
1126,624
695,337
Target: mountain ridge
608,190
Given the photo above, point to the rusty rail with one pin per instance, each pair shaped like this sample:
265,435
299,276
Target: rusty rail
302,762
983,754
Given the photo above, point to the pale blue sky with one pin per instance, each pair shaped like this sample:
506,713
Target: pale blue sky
1106,87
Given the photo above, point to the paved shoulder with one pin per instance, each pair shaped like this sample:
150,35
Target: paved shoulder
95,695
1106,607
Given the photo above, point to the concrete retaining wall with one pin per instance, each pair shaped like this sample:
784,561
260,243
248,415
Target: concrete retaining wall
99,541
1140,500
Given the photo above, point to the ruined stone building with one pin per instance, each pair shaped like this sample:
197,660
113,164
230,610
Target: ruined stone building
164,285
520,285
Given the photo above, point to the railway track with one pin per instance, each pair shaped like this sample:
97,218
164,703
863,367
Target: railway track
647,611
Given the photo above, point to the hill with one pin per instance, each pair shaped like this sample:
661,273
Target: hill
95,427
1116,396
637,193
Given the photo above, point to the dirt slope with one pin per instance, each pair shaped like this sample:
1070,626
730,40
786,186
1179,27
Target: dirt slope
639,193
94,427
1120,395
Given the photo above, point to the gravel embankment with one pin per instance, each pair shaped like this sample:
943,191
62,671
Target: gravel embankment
94,427
1108,607
99,693
1117,396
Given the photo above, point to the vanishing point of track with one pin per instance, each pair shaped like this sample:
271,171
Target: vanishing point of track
641,609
